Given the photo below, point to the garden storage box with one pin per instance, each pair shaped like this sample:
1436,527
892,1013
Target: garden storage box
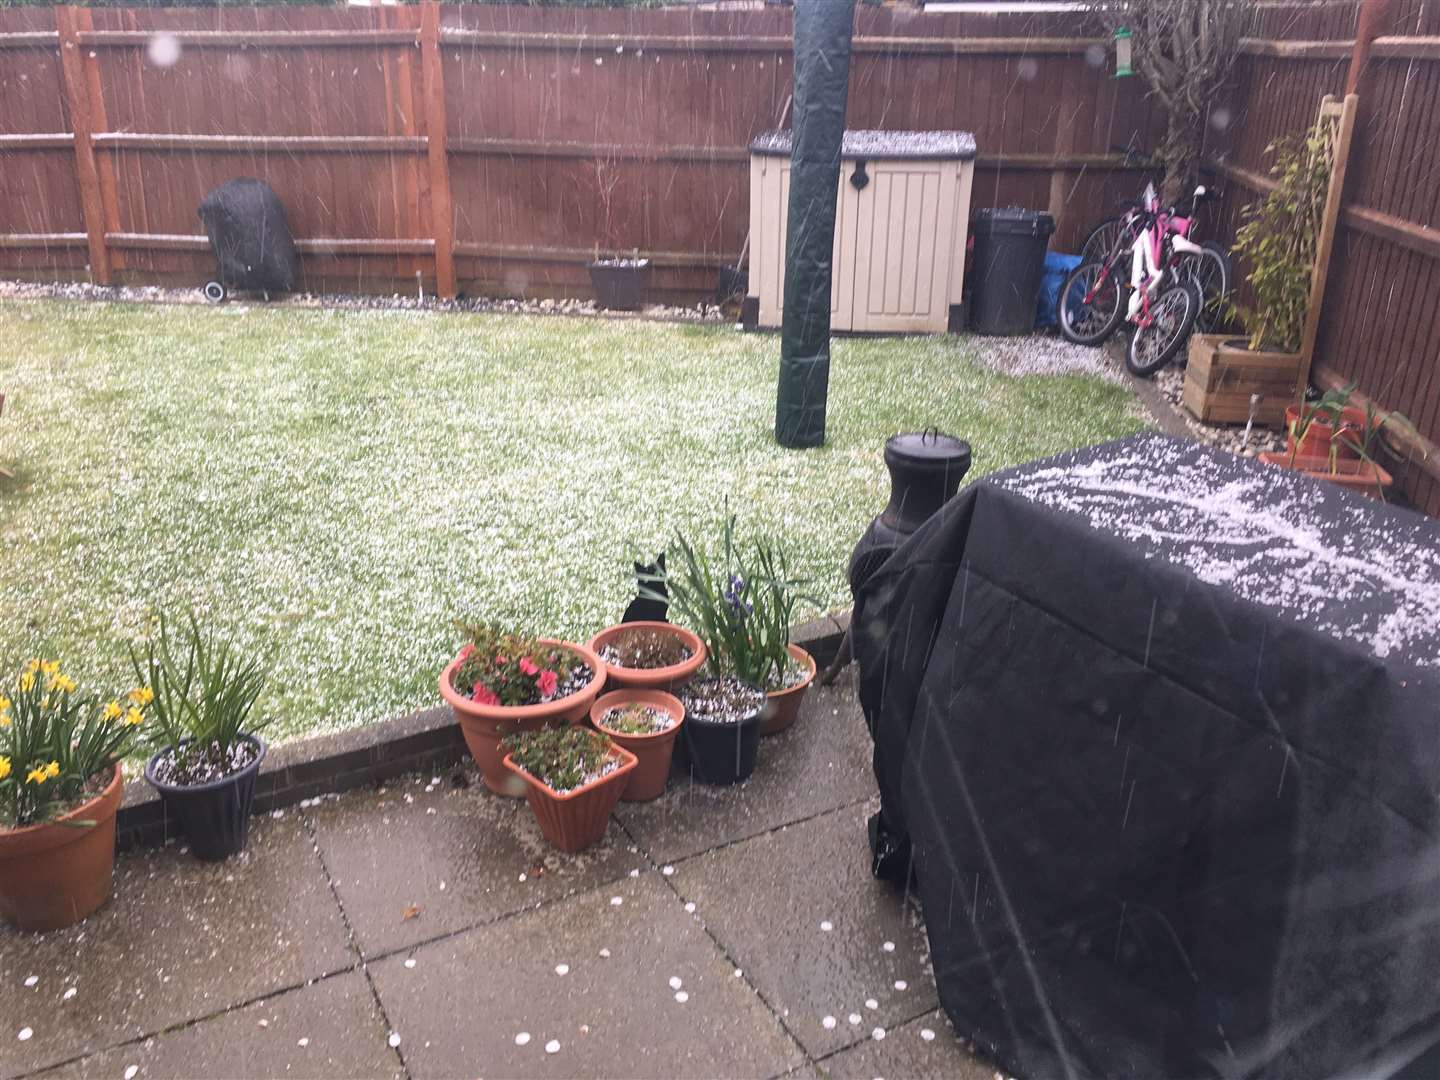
900,228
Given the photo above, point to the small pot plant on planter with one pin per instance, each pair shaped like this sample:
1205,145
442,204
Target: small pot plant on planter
1331,439
742,604
210,750
621,283
501,683
645,722
60,786
649,655
573,778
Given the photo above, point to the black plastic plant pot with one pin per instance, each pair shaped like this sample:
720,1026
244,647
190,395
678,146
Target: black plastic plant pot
620,284
214,817
721,751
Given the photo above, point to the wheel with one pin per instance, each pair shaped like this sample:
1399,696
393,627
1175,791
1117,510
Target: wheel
1090,308
1209,271
1157,339
1101,240
215,292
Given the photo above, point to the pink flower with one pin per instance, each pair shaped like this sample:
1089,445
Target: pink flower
483,695
499,661
547,683
527,666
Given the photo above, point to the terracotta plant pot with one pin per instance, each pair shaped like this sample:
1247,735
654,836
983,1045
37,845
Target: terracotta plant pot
214,817
55,874
663,678
577,819
1366,477
653,752
485,725
783,706
1322,434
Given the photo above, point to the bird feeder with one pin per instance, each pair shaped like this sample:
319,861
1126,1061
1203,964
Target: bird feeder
1122,53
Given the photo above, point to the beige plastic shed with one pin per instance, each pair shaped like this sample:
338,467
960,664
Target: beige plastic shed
900,226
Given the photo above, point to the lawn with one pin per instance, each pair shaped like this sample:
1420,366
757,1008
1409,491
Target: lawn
333,488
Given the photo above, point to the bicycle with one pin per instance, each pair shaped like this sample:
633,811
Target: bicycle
1195,279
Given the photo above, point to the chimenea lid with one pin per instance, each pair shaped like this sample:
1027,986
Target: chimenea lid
929,447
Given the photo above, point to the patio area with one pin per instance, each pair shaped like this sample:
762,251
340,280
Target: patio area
425,929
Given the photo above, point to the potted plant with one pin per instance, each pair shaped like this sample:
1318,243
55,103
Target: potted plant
742,606
60,786
621,283
573,778
501,683
645,722
1345,452
723,718
648,655
210,751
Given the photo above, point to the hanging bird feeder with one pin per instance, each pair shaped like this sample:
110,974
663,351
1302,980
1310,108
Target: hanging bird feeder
1122,53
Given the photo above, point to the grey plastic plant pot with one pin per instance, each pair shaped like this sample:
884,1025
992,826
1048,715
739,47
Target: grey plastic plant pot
214,817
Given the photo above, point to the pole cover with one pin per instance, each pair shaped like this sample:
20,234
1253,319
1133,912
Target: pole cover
823,30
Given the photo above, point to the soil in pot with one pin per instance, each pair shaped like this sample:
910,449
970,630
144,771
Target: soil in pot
649,655
722,727
56,873
783,705
572,795
645,722
211,792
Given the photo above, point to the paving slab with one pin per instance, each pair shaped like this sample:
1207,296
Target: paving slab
821,763
926,1046
462,1008
410,865
330,1029
178,940
768,902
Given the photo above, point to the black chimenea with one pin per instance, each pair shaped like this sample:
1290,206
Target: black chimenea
925,472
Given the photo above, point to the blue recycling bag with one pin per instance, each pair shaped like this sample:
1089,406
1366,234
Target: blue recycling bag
1057,268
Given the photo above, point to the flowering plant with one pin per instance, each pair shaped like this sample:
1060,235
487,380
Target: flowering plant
561,757
55,740
740,603
501,668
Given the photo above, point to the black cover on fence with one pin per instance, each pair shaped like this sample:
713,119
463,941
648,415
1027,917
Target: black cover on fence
1164,728
250,236
822,83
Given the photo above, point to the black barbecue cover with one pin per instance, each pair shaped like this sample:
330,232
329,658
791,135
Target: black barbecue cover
250,236
1163,726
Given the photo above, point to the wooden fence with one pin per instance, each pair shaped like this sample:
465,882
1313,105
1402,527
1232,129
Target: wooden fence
495,149
1380,323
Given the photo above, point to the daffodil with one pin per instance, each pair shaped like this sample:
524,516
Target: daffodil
134,717
142,696
4,767
50,668
63,683
27,682
52,770
36,775
113,711
33,666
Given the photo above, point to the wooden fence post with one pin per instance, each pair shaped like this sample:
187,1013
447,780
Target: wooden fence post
68,23
442,219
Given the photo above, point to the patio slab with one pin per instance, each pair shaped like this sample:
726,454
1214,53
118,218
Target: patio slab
178,940
768,900
331,1029
821,763
906,1051
410,865
461,1009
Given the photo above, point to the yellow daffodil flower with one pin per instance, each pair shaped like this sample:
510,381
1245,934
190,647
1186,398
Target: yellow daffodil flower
27,682
4,703
52,770
134,717
4,719
4,767
36,775
50,668
113,711
142,696
33,666
63,683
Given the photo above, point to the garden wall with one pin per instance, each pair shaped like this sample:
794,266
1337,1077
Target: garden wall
546,132
1380,324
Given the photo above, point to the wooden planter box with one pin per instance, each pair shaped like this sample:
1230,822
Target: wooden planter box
1222,375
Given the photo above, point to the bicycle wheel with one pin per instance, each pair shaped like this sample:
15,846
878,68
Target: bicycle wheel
1160,337
1101,240
1090,307
1209,271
